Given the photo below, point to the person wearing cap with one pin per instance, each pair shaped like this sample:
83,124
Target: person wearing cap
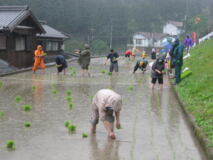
157,72
113,56
84,59
61,64
141,64
106,103
39,59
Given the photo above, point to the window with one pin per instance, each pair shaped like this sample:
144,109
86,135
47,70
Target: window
138,41
52,46
20,43
2,42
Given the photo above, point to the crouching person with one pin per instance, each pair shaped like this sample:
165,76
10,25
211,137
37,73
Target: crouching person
61,64
141,63
106,103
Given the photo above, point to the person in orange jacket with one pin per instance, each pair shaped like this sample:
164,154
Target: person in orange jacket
39,59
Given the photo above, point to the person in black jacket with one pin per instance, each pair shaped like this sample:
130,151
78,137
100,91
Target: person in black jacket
61,63
157,72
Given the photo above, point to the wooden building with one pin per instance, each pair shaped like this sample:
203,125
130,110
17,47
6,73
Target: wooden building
18,30
52,40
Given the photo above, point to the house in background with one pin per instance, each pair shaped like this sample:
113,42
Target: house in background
18,29
173,28
21,32
53,40
148,39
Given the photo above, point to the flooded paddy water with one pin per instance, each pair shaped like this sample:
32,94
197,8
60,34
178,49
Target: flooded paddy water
153,127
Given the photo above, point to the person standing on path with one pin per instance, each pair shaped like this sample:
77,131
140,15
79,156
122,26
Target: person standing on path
157,72
178,62
134,52
39,59
188,43
61,64
84,60
105,104
113,56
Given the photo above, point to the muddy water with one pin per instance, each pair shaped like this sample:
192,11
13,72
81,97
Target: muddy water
153,127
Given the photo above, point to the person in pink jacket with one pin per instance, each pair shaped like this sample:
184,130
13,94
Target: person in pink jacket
105,104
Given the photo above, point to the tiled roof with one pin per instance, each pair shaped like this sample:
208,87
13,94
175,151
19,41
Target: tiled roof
12,16
52,33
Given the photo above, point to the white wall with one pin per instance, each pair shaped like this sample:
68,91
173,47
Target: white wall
144,41
171,29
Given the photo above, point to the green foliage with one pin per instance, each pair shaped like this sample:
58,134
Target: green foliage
70,105
1,84
69,92
197,90
69,99
33,88
72,45
67,124
27,107
71,128
10,144
103,71
54,91
99,47
2,114
27,124
18,98
84,135
131,88
109,73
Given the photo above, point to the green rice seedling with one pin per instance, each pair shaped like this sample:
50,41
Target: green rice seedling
69,92
27,124
71,128
131,88
91,97
103,71
70,105
27,108
69,99
18,98
84,135
54,91
10,144
67,124
33,88
2,114
109,73
1,84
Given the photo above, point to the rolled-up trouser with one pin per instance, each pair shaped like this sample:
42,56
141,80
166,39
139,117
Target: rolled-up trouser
113,66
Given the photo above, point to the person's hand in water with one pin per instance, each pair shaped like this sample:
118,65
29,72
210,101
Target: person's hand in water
112,135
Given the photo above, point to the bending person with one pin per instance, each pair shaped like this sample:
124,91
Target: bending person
105,104
61,63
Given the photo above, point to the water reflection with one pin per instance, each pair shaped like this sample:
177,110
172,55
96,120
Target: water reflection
109,150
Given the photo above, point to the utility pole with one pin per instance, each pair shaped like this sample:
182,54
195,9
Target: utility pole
111,28
92,34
